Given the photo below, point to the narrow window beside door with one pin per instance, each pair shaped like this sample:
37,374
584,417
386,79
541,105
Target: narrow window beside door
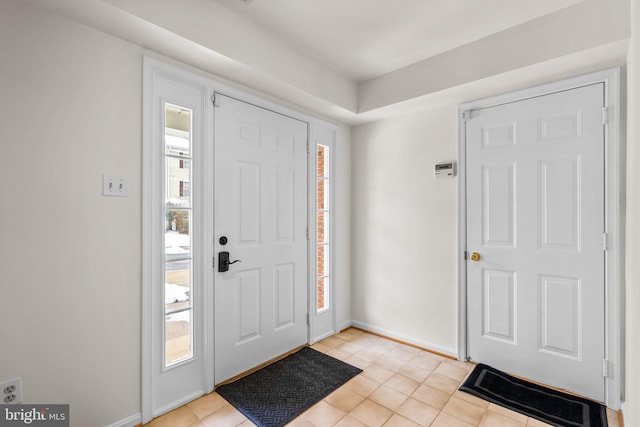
323,231
178,256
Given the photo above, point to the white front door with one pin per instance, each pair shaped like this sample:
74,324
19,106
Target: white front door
261,213
535,217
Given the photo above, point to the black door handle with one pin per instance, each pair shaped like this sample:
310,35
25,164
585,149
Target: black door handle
224,262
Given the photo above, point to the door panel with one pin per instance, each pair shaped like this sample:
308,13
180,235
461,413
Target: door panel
561,325
535,204
498,205
499,292
261,207
560,203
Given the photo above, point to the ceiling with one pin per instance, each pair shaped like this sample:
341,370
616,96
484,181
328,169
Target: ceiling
355,61
363,39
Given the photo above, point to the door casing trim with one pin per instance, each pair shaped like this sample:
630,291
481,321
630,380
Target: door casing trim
153,67
613,216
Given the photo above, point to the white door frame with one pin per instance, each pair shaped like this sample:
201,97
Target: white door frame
320,131
613,216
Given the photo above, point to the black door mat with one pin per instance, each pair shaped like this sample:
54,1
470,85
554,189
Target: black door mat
278,393
536,401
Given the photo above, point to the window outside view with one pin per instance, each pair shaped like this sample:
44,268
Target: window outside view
323,248
178,269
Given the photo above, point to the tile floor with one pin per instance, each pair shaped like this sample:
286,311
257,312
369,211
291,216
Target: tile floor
400,386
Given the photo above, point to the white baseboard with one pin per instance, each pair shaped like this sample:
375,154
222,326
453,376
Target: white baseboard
401,337
131,421
345,325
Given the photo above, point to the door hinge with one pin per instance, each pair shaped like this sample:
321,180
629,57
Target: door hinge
308,323
605,368
605,242
307,232
605,115
466,115
308,145
215,100
465,255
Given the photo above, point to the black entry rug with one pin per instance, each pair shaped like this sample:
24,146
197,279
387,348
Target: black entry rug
278,393
545,404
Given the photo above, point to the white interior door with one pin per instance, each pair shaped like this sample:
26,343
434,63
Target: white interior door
261,210
535,215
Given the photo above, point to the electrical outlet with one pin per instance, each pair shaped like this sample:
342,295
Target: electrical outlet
11,391
115,186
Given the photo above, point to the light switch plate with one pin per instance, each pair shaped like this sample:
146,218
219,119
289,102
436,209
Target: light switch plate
117,186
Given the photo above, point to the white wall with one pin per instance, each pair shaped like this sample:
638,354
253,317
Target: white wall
343,232
70,285
632,406
404,228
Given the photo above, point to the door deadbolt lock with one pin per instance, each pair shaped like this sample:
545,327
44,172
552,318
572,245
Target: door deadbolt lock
475,256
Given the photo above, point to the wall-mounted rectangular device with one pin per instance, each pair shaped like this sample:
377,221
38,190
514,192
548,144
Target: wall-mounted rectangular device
444,170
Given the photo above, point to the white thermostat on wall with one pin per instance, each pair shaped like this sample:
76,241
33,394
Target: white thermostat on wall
445,170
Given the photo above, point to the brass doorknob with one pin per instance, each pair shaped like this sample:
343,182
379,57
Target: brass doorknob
475,256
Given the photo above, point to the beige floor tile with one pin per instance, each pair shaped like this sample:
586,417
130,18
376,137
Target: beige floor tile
467,366
349,421
400,421
339,354
323,415
451,371
532,422
463,410
369,355
517,416
227,416
403,353
446,420
332,342
384,346
198,424
377,373
358,362
388,397
493,419
300,422
321,347
390,363
442,383
350,334
418,412
402,384
371,413
361,385
350,347
426,361
207,405
471,399
612,418
431,396
181,417
414,372
344,399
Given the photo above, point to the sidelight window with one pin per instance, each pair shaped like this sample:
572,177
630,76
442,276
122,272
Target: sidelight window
178,256
323,228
